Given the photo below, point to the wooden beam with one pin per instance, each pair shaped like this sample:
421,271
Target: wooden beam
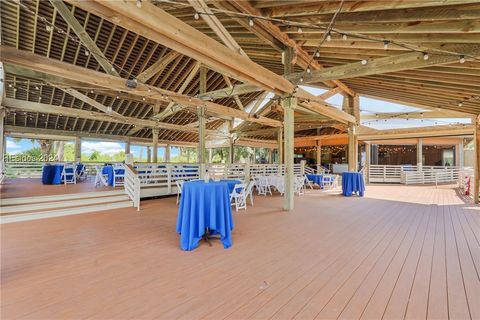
90,77
423,132
64,135
303,58
235,97
159,26
406,61
158,66
214,23
82,34
229,91
331,7
413,115
330,93
95,116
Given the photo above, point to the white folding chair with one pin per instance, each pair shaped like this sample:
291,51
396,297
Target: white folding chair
179,184
100,178
81,174
249,191
308,182
69,174
298,185
264,185
118,175
238,197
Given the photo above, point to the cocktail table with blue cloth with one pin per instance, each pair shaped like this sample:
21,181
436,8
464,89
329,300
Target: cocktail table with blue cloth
205,205
52,174
316,178
108,170
352,182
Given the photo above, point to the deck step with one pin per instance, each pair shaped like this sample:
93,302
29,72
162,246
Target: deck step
63,203
65,211
59,197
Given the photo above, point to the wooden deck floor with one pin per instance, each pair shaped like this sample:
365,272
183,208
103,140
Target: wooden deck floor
400,252
32,187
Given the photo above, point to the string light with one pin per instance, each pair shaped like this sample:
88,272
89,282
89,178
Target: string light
385,44
364,62
308,70
196,16
250,21
139,3
460,104
462,59
317,54
344,37
425,56
299,30
87,53
329,37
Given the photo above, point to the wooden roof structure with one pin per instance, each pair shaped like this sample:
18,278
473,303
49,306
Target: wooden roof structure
66,63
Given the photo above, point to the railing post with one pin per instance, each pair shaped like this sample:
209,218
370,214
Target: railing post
247,171
169,179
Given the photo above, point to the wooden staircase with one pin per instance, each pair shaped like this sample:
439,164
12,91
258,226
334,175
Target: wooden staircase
41,207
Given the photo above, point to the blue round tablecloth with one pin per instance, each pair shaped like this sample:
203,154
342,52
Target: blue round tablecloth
205,205
108,170
352,182
52,174
316,178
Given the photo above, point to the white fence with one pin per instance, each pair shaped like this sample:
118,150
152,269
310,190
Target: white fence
408,174
34,169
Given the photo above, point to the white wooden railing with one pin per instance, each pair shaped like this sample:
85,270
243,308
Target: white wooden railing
34,169
408,174
132,185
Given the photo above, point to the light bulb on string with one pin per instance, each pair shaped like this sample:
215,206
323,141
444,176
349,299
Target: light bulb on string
329,37
317,54
299,30
87,53
139,3
364,62
250,22
385,45
344,37
462,59
425,56
308,70
196,16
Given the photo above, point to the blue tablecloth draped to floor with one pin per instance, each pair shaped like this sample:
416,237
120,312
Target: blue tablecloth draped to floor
52,173
205,205
108,170
352,182
316,178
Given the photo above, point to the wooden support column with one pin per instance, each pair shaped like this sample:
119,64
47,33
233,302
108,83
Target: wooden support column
149,154
459,155
78,149
351,106
352,146
368,157
280,146
289,104
202,123
3,146
318,154
155,144
270,155
419,154
127,147
167,153
210,155
476,172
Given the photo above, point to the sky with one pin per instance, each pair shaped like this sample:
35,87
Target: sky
367,106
